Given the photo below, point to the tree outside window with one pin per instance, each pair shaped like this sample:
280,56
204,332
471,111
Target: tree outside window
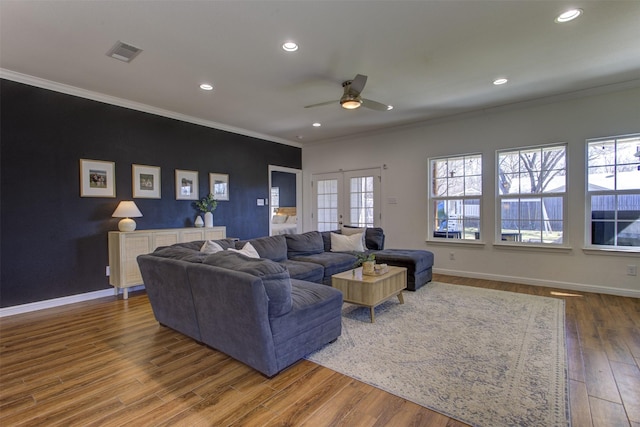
532,185
456,190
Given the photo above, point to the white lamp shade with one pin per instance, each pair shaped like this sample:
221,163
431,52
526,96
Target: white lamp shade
127,210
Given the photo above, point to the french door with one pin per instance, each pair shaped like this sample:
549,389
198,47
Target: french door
346,198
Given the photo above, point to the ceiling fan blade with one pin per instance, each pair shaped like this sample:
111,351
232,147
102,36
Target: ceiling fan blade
374,105
357,84
321,103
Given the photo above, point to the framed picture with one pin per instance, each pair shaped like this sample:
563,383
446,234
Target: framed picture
97,178
219,186
186,185
145,181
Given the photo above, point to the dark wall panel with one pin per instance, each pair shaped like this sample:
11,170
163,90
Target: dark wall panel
54,242
286,181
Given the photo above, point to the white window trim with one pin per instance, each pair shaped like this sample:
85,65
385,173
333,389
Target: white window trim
497,236
589,248
430,198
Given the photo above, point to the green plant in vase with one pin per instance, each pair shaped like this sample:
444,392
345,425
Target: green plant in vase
207,205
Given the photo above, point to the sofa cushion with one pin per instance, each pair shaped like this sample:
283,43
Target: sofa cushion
181,253
275,277
373,236
308,243
300,270
333,262
197,244
326,239
272,247
347,243
247,250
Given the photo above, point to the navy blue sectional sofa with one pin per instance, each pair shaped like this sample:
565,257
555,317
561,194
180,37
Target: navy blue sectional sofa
266,312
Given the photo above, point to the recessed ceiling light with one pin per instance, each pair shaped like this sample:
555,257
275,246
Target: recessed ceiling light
206,86
290,46
569,15
500,81
389,107
317,125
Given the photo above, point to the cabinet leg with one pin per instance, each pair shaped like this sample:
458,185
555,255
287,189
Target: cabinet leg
115,291
125,293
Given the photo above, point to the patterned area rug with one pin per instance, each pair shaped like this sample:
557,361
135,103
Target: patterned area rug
484,357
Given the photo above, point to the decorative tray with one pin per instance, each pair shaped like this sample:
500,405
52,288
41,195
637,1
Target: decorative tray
379,271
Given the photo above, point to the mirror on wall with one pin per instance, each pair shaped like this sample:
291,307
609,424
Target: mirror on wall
285,204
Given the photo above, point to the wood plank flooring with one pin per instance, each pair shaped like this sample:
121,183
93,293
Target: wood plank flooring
107,362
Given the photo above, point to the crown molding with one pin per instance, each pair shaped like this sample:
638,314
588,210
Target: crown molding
120,102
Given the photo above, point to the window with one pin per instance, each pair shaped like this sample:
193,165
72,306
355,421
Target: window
456,190
613,191
532,185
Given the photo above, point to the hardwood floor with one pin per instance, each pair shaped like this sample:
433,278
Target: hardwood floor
108,363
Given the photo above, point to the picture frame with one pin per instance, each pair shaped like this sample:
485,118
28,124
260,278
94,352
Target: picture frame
145,182
186,185
97,178
219,186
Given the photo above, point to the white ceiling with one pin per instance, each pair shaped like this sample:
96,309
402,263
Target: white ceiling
428,59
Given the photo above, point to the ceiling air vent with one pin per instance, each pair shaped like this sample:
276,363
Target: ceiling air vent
123,51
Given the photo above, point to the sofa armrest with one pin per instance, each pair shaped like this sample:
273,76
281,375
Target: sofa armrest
232,311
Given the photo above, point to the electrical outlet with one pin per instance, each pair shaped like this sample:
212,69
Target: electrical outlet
452,256
632,270
107,271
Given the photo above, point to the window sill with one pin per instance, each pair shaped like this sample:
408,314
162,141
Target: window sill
531,247
468,242
616,251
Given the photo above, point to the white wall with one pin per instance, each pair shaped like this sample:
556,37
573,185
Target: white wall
405,151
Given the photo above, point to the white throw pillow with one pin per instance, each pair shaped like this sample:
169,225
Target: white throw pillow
291,219
349,231
342,243
211,247
247,250
279,219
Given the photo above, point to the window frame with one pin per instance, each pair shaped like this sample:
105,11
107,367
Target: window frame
516,239
589,194
433,198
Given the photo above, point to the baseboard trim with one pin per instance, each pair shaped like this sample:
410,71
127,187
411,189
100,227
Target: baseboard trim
57,302
540,282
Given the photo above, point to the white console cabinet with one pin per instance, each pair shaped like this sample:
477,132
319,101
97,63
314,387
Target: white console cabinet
125,246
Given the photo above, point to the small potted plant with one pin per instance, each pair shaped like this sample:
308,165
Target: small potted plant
367,261
207,205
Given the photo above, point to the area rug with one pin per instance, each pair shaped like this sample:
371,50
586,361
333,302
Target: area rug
484,357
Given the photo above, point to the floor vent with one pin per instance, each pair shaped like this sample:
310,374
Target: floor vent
123,51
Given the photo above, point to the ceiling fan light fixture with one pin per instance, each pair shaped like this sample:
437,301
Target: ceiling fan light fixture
350,103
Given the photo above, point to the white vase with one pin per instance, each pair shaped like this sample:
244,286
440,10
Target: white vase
208,219
199,222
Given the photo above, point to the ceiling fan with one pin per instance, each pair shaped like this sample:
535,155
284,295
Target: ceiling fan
351,98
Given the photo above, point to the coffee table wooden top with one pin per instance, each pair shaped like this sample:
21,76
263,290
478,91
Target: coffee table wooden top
370,291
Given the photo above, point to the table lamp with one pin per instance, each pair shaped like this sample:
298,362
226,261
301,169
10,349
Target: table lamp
126,210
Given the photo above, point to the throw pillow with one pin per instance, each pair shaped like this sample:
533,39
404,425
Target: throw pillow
247,250
279,219
210,247
342,243
292,219
350,231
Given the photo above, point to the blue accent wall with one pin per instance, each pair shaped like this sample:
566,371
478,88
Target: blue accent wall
54,242
286,181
